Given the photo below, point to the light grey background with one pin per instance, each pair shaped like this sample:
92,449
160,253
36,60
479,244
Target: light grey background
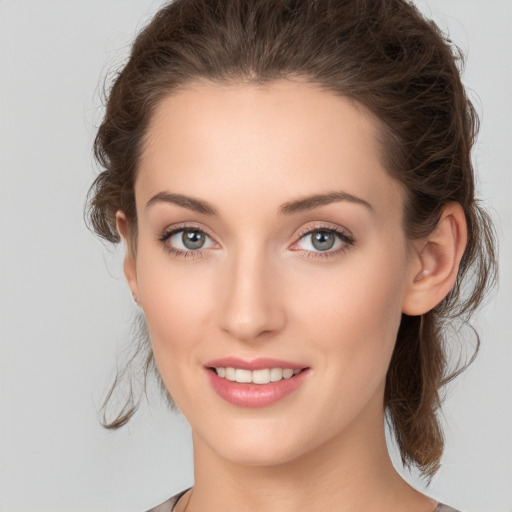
65,309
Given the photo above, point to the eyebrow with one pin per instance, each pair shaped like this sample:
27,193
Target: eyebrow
299,205
311,202
190,203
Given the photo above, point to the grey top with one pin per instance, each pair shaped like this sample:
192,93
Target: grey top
168,506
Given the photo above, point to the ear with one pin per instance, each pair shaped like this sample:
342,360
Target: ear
436,262
129,265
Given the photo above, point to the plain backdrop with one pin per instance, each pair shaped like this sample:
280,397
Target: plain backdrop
65,310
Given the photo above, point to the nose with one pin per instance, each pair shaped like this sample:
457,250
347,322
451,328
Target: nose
252,308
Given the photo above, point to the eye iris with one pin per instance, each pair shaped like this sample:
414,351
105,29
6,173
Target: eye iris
193,239
323,240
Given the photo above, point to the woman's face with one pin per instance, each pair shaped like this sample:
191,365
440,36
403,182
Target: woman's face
269,238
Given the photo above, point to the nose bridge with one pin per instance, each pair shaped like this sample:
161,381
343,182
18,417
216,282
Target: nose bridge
251,306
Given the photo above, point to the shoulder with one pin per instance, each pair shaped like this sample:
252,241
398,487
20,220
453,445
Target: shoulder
445,508
168,505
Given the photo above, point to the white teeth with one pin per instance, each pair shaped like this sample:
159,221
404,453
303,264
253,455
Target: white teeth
243,375
287,373
231,374
263,376
276,374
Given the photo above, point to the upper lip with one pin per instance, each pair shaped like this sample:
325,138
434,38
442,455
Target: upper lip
256,364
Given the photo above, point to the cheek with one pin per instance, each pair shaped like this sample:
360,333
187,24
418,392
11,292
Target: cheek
353,314
344,316
177,308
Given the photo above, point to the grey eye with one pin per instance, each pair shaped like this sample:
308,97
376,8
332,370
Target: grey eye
193,239
323,240
189,239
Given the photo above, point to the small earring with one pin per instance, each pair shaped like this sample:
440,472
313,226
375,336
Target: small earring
135,299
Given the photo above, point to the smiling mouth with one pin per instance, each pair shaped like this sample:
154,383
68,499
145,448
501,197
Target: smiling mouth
262,376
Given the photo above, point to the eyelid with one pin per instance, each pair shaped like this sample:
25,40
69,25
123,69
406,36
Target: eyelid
343,234
182,226
306,230
172,230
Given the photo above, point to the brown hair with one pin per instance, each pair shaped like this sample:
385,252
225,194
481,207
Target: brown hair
387,57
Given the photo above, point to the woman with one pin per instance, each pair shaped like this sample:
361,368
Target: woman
293,184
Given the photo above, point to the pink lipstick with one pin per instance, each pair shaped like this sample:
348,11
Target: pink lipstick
255,383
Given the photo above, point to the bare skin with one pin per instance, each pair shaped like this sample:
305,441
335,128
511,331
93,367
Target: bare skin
258,286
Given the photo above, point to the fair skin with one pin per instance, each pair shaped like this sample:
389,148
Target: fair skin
321,284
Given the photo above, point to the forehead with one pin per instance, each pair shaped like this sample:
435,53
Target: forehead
285,138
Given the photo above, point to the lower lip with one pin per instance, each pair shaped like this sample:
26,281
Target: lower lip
255,395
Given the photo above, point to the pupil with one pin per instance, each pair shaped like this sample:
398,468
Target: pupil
193,239
323,240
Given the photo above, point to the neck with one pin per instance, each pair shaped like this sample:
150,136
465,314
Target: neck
349,472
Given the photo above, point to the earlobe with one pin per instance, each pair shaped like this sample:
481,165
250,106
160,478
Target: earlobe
437,257
129,264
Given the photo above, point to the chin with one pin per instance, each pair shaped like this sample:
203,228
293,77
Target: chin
256,455
264,446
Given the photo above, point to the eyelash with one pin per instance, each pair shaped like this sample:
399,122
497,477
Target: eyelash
178,252
346,239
